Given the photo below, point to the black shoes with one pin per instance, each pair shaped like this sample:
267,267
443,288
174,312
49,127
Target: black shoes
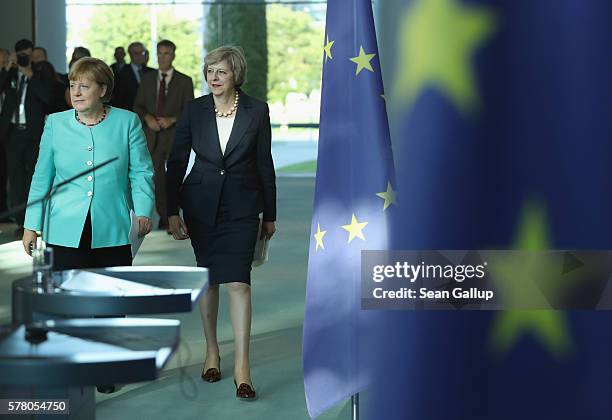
245,392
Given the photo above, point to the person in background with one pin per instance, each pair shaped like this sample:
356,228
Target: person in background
160,100
39,54
119,60
77,53
231,182
40,59
88,223
130,76
28,94
4,59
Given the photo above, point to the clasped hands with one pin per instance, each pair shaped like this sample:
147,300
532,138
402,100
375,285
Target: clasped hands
159,123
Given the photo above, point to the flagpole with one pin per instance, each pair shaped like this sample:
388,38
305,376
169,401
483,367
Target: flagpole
355,406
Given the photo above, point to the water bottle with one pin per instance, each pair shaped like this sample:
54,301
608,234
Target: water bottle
42,265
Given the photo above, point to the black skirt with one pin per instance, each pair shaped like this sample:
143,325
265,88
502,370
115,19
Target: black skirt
226,248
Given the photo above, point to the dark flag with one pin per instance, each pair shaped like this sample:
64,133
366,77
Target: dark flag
501,118
355,192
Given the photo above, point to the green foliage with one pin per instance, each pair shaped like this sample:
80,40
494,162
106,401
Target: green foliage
283,46
295,43
119,25
243,25
308,167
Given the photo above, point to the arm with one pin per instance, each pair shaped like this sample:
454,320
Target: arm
140,107
4,80
186,96
42,180
41,84
265,167
177,162
140,171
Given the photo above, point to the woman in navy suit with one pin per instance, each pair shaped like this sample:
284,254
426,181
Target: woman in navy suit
231,183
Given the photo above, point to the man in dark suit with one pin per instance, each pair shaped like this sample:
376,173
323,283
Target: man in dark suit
119,60
4,59
160,100
28,91
128,79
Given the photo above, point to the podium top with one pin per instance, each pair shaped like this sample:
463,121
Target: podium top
86,351
112,291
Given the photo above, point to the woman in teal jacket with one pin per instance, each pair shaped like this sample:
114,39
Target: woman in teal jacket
87,222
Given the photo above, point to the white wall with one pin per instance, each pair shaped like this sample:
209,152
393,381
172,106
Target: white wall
42,21
51,31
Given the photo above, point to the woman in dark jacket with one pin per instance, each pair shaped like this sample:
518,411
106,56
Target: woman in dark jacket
231,183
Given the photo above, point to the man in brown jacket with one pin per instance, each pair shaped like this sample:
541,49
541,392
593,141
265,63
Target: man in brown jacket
161,98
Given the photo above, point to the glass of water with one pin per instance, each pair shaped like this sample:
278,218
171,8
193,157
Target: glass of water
42,265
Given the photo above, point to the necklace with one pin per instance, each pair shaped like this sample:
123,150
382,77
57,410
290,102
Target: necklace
231,110
76,115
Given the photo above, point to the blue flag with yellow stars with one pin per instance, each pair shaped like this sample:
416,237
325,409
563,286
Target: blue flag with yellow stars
501,122
354,194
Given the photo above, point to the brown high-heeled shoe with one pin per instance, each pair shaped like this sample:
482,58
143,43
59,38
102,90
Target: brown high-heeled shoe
212,374
245,391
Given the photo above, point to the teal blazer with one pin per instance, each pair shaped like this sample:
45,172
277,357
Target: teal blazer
68,147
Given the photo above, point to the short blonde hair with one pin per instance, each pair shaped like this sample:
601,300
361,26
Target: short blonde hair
234,57
96,70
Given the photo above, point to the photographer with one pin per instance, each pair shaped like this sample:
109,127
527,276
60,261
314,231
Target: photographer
28,93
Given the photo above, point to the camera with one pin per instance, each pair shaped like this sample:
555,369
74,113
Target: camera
23,60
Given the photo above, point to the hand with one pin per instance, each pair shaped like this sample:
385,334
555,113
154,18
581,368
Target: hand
152,123
27,71
144,226
165,122
177,227
12,61
29,241
267,230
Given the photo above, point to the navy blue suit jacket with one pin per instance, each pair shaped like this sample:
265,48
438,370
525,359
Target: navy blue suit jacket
243,176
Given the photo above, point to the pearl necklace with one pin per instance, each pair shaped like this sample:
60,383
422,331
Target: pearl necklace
231,110
76,114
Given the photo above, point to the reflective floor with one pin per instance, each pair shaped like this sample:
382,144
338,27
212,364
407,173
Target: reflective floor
278,309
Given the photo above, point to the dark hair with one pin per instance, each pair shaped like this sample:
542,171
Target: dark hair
166,43
135,44
81,52
43,50
23,44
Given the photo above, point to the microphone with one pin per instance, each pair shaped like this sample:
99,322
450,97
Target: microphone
54,189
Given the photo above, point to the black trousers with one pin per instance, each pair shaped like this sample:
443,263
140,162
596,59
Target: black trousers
21,155
65,258
3,177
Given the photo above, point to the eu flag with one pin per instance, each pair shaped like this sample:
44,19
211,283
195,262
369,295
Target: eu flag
354,194
502,129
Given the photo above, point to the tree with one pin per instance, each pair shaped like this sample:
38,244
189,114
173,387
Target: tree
243,25
296,53
119,25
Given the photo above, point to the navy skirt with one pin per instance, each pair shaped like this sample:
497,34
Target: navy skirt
226,248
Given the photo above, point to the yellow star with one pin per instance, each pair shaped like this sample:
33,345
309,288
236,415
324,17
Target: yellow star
327,49
355,229
319,237
363,61
437,42
548,326
388,196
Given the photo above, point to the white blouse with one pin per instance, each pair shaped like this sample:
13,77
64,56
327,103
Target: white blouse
224,128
